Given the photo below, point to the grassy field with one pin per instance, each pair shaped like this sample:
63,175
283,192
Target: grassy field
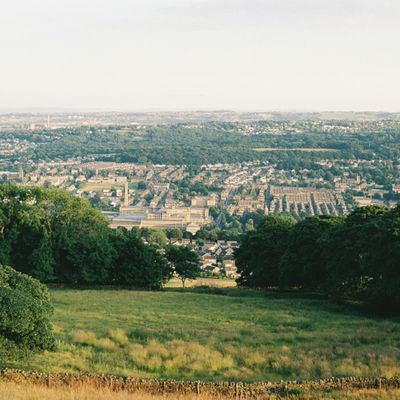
210,282
215,334
14,391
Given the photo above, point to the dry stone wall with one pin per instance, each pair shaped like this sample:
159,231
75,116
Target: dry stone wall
234,390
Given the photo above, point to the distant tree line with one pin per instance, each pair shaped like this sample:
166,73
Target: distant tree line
210,143
58,238
356,256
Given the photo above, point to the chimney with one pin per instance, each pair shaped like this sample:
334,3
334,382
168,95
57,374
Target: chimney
126,195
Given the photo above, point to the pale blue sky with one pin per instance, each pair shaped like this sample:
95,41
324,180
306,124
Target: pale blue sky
200,54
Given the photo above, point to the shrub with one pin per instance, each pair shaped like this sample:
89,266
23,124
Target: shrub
25,310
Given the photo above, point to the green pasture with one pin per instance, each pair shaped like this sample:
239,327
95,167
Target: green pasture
215,334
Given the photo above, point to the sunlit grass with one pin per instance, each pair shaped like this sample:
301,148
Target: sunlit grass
210,282
215,334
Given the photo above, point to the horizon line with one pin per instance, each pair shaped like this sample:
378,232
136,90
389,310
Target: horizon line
45,110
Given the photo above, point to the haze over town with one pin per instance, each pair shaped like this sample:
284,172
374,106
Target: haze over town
200,54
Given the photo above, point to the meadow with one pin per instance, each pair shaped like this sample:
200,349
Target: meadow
214,334
195,283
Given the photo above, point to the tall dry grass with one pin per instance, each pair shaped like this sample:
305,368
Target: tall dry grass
215,334
14,391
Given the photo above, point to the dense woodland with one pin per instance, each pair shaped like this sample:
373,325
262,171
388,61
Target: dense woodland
356,256
208,143
58,238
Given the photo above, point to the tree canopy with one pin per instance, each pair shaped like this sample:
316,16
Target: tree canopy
185,262
259,256
25,312
56,237
137,264
357,255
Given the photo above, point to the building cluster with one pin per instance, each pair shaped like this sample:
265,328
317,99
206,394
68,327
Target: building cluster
11,146
148,195
306,201
157,216
215,257
293,126
139,195
249,123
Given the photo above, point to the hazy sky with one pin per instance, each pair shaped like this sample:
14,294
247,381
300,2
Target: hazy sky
200,54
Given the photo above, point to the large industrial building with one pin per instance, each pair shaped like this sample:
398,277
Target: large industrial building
190,218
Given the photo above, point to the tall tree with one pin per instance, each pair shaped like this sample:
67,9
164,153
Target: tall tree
301,264
346,248
259,256
137,264
381,260
185,262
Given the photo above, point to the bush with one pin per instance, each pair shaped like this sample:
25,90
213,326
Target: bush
25,310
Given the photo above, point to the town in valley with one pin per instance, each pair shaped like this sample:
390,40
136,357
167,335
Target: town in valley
210,203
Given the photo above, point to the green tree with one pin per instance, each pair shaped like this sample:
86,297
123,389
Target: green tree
380,260
25,312
157,238
53,236
259,256
347,246
137,264
175,233
301,264
185,262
